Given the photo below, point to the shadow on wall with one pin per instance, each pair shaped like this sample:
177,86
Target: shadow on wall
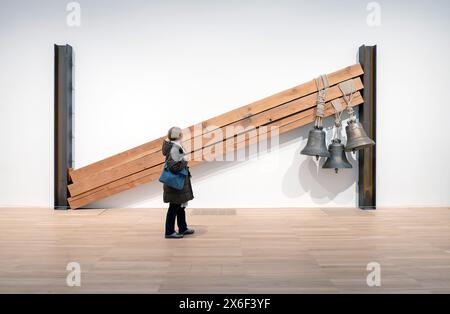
146,192
303,175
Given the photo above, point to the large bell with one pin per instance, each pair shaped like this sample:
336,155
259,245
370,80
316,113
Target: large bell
356,137
338,159
316,145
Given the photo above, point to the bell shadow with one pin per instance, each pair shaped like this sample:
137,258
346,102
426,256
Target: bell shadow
305,175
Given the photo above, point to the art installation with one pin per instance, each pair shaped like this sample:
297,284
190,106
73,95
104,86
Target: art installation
286,110
357,138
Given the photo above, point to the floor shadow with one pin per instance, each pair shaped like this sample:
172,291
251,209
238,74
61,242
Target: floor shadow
200,230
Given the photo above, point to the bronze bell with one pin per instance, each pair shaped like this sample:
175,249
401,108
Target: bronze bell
316,145
338,159
356,137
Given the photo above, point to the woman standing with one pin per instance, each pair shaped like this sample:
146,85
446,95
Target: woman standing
177,199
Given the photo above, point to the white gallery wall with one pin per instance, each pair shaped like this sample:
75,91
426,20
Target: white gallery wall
143,66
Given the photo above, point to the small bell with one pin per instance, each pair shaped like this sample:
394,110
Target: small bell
338,159
356,137
316,145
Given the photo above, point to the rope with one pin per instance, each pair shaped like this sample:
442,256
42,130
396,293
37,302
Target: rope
322,86
348,88
338,110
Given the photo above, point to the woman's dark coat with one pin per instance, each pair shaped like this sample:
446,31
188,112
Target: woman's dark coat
174,154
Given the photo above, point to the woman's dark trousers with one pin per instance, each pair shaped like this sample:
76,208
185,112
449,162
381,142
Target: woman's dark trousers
175,211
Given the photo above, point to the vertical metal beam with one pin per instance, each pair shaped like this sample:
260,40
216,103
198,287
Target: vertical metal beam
63,124
367,115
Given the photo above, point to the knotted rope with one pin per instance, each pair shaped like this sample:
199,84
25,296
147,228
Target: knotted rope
322,85
348,89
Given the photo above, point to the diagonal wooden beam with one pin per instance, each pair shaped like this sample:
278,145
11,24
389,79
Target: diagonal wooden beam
285,124
219,121
253,121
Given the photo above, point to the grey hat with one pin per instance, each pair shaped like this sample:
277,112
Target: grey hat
174,133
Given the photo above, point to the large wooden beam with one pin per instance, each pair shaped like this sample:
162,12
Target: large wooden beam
62,124
219,121
252,121
368,117
285,124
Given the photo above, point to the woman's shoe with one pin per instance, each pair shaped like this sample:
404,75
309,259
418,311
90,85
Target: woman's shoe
188,231
174,235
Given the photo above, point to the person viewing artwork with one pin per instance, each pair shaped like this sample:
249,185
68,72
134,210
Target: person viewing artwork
175,154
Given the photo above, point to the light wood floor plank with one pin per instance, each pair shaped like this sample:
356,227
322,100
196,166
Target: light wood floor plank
292,250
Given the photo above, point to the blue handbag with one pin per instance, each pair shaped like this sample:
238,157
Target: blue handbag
173,179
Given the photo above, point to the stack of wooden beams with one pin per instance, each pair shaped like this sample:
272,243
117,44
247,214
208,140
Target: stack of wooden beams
286,110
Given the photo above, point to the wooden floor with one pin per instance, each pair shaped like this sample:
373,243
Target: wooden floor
233,251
